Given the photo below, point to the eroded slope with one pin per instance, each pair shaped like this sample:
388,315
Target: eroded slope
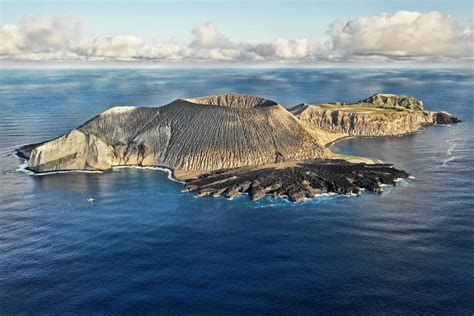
183,136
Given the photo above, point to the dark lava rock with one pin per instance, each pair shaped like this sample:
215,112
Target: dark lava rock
297,180
25,151
444,118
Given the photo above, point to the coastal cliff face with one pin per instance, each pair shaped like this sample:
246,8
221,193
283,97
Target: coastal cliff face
197,134
379,115
363,124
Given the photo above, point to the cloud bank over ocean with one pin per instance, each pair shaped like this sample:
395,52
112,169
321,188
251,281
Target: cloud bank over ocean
406,36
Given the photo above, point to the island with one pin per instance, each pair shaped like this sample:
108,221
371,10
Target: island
232,144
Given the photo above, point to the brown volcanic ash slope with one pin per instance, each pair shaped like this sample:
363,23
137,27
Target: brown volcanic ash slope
223,131
378,115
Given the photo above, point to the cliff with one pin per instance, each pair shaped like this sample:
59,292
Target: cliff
379,115
224,131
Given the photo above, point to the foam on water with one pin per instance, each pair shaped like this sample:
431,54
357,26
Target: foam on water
24,165
449,152
166,170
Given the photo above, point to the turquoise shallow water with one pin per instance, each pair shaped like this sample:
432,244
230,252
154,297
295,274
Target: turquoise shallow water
144,247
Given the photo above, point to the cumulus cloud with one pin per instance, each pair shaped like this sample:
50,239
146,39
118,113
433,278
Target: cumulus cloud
120,46
11,41
466,41
161,51
37,37
209,43
286,49
401,35
47,35
206,36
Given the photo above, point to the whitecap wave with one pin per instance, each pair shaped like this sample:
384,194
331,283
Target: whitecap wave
403,182
23,166
449,152
445,162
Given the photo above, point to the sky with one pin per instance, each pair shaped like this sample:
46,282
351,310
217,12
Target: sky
243,32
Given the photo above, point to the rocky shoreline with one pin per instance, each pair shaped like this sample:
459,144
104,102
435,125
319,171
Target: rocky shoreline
297,181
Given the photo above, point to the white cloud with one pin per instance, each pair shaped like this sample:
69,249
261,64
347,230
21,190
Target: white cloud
206,36
466,41
120,46
209,43
47,35
402,35
11,41
293,49
166,51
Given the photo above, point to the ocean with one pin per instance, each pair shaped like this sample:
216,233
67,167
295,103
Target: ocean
143,247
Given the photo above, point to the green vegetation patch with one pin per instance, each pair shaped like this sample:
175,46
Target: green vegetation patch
361,108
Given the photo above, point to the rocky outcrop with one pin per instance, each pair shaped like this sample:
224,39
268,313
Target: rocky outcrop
443,118
393,101
379,115
298,180
234,100
194,134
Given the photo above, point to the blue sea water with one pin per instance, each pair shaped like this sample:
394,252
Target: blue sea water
144,247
